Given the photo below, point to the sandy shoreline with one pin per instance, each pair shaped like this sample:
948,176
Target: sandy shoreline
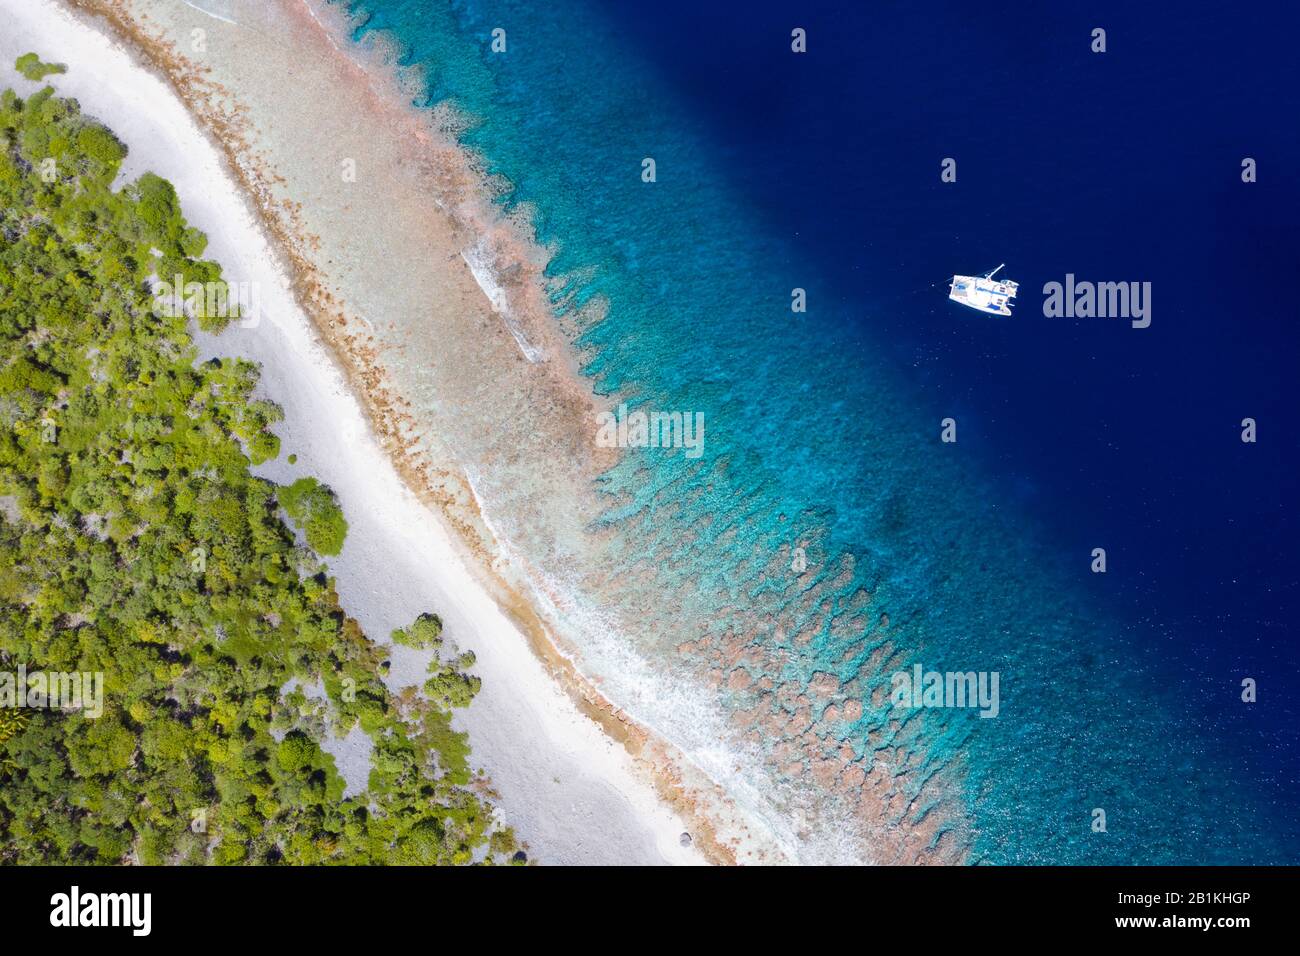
574,793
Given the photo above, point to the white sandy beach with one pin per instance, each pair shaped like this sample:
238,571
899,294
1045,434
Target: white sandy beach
572,794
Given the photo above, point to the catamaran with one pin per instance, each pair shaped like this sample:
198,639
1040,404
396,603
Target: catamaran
984,292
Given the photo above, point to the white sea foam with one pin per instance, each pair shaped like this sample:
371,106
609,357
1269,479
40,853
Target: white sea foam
695,723
479,260
216,16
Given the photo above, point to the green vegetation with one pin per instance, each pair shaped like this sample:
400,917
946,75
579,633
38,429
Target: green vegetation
12,720
448,684
425,633
134,542
314,508
31,67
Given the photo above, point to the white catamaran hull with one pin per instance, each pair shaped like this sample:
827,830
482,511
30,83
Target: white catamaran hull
983,293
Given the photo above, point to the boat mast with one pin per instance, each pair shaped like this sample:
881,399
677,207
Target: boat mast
994,272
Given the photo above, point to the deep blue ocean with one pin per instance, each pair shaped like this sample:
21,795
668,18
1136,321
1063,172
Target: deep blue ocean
821,171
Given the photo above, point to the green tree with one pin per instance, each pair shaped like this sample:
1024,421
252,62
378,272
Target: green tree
31,67
314,508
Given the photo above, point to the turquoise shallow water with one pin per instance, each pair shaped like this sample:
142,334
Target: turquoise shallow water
817,437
